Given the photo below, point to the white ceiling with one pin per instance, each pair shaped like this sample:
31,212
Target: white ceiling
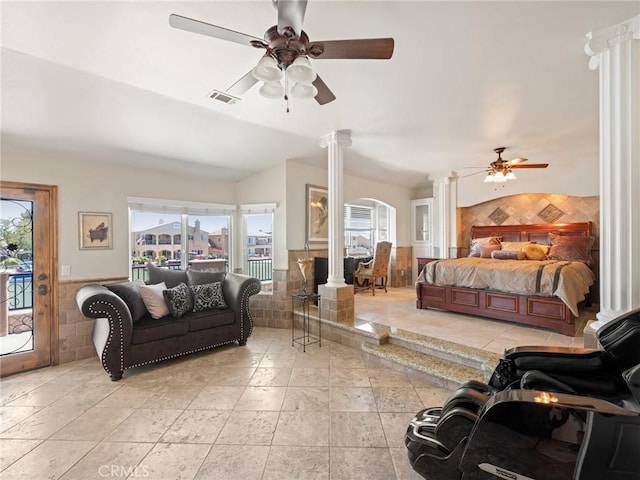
112,81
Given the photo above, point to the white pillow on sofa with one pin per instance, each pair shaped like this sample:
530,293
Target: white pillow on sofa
154,300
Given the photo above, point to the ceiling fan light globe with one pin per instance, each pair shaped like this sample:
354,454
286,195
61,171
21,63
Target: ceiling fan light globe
510,175
300,71
498,176
488,178
267,70
303,91
272,90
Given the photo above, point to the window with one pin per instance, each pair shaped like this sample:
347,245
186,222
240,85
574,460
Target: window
158,227
358,228
257,221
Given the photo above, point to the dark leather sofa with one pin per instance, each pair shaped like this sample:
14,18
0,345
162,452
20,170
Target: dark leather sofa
125,335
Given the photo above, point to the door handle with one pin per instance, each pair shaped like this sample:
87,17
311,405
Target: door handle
42,290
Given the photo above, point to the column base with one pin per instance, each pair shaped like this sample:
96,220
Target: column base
337,303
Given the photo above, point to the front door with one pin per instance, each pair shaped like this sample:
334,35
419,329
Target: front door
28,280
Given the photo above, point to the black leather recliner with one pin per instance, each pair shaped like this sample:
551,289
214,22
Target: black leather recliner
548,413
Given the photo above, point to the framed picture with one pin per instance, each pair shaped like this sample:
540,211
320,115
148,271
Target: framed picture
317,214
95,230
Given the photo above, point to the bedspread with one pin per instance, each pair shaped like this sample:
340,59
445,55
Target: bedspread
569,281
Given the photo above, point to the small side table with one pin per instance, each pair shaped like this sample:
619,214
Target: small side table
303,301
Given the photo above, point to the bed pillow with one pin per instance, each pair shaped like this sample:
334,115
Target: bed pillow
178,300
570,248
507,255
477,243
129,292
487,250
207,296
514,246
533,251
154,300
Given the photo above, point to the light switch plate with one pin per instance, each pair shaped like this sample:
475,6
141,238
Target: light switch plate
65,270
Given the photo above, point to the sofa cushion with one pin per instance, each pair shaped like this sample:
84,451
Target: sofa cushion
178,299
154,300
210,319
195,277
129,292
208,296
171,278
149,329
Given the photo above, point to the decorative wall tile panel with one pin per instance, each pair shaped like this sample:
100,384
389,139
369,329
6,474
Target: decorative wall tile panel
499,216
550,213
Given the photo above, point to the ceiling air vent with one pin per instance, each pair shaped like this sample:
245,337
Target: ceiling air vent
223,97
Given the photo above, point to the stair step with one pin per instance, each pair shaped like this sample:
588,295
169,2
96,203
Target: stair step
472,357
437,370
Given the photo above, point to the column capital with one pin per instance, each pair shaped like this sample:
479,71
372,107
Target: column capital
600,40
341,137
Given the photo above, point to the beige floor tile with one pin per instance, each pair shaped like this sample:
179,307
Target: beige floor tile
395,426
174,461
433,396
307,399
234,462
302,428
43,423
93,424
402,465
147,425
217,397
309,377
352,399
44,395
111,460
361,464
349,377
133,396
296,463
314,358
196,426
261,398
249,428
231,376
12,391
270,377
87,396
46,460
384,377
397,399
12,449
172,396
279,359
356,429
9,416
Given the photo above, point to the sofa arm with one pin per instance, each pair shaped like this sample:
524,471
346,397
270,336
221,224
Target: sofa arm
113,328
237,289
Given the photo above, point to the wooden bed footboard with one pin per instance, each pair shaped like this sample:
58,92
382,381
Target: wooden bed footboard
548,312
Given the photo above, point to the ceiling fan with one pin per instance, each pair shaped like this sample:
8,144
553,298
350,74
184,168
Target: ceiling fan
500,170
287,52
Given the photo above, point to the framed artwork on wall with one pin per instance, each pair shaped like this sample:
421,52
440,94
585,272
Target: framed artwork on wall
317,217
95,229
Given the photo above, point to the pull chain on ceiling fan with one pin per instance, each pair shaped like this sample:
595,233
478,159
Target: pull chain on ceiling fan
287,52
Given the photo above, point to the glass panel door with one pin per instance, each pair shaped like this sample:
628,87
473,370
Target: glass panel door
27,276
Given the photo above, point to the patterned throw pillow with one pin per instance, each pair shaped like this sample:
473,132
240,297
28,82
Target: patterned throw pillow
178,300
208,296
507,255
478,243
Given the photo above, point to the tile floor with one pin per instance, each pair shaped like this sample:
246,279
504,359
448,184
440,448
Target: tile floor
265,411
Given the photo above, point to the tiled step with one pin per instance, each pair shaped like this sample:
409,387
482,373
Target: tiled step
433,369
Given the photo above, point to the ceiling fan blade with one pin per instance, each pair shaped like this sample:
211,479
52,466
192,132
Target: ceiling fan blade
196,26
365,48
290,15
531,165
243,85
516,161
324,94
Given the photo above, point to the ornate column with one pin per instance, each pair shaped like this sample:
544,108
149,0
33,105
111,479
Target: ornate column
616,52
334,143
337,296
443,218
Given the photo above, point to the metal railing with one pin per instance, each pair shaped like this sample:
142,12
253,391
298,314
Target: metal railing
19,291
260,268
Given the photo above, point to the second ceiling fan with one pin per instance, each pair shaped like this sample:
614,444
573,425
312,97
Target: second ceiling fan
287,52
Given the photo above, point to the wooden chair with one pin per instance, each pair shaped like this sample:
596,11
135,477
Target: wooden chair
368,273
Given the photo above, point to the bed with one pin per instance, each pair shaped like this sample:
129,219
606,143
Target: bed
540,292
